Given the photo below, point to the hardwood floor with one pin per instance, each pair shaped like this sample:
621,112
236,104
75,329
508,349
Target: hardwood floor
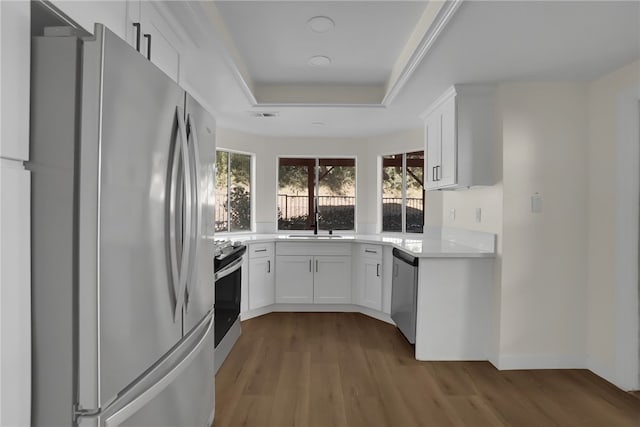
346,369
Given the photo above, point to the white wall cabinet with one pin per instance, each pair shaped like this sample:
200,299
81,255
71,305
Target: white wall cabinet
159,41
458,131
157,36
15,45
86,14
261,275
318,273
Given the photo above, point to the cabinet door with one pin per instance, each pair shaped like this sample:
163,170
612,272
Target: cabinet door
432,134
261,283
332,280
87,13
447,172
372,286
15,310
244,285
295,279
163,43
15,44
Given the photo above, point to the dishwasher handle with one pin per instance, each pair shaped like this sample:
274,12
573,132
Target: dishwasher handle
405,257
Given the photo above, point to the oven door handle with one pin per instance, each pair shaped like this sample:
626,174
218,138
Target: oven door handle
235,265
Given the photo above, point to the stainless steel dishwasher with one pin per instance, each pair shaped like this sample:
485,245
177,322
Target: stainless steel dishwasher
404,293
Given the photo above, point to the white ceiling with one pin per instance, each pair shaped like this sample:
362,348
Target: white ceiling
484,42
276,42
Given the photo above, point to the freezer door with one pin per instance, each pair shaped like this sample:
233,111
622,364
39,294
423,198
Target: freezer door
200,281
140,135
177,391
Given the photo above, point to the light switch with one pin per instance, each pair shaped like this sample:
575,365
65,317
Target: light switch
478,214
536,203
452,214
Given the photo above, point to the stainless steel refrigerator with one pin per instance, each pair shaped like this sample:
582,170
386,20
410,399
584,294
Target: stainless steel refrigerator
122,163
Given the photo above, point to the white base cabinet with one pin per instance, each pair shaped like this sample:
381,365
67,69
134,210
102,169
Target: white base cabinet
306,275
332,280
369,276
261,275
295,279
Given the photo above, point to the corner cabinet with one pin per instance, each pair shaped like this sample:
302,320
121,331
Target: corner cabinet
261,275
458,131
368,276
318,273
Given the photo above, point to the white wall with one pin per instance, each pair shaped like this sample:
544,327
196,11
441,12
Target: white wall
543,302
612,310
366,150
268,149
540,273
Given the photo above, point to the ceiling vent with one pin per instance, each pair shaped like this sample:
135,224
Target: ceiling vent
264,114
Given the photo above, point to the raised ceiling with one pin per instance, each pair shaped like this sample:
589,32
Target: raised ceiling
391,59
276,42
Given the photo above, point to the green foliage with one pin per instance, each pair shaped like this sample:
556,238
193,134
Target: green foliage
337,179
392,179
240,214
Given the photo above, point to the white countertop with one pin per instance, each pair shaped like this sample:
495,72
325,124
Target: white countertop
419,247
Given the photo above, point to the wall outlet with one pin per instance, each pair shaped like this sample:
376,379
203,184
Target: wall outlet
478,214
452,214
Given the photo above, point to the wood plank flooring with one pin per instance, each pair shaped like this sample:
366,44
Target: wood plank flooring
346,369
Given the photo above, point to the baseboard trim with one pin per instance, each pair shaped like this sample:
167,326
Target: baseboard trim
540,361
318,308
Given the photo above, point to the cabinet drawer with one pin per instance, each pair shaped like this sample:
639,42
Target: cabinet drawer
259,250
314,248
371,251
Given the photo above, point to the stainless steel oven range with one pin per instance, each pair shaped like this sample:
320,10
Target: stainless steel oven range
228,277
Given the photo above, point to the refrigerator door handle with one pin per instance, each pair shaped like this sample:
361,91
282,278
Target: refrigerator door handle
186,249
196,217
156,388
172,234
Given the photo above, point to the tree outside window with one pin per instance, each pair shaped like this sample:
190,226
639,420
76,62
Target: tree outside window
403,192
309,184
233,191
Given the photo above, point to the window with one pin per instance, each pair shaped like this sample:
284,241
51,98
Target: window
326,186
233,191
403,192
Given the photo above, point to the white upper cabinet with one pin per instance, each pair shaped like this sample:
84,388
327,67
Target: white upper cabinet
112,14
159,41
15,47
459,138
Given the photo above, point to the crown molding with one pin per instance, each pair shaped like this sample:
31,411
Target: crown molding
431,34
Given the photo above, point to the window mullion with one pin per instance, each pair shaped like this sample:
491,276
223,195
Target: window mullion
317,193
228,191
404,193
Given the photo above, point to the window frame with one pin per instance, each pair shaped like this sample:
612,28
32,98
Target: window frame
252,199
316,159
380,184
